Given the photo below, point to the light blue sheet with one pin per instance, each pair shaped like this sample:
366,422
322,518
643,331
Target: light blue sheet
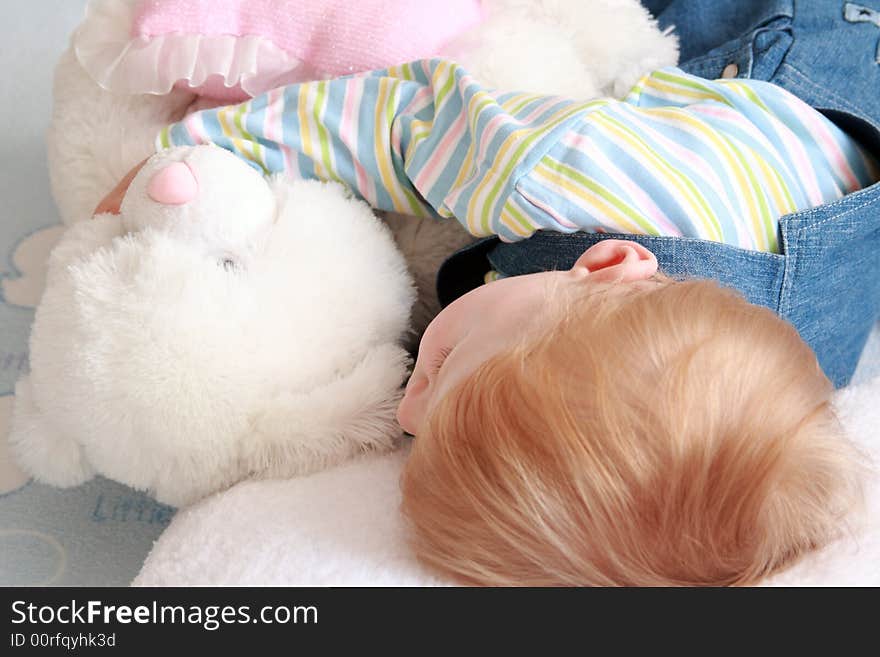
99,533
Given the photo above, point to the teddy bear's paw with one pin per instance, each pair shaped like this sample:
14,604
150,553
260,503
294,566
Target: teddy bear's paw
297,433
43,452
11,475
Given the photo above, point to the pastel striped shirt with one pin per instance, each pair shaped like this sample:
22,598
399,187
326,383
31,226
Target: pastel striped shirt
680,155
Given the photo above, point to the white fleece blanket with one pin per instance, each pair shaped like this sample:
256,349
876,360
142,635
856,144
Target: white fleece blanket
342,527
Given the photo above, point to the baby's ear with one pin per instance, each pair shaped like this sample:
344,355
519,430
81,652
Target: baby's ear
42,450
617,261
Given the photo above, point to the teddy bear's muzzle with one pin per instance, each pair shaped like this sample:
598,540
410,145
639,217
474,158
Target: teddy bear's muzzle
174,184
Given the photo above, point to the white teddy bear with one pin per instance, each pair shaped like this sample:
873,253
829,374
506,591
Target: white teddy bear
228,327
578,48
223,326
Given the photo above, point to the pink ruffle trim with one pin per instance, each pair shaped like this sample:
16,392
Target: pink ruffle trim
225,67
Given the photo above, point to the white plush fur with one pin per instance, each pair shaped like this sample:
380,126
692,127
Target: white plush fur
578,48
251,332
95,136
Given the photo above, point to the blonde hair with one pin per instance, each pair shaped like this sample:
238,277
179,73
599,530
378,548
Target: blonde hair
671,434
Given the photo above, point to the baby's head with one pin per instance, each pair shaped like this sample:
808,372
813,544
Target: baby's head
609,426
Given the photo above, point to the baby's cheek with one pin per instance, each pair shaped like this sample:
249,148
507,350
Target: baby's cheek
408,414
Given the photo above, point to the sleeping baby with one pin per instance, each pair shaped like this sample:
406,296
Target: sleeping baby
603,424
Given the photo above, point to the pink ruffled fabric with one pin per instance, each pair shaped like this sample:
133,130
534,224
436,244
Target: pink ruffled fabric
233,49
337,37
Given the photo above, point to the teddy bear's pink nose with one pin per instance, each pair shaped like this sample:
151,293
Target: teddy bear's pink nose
176,184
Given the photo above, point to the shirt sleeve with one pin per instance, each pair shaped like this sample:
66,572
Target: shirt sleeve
349,130
424,138
718,160
679,156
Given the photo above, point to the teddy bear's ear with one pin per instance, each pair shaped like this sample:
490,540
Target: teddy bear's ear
42,450
81,240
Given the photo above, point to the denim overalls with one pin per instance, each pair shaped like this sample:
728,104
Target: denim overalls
826,279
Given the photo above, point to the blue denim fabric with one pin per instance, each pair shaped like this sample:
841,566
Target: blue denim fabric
826,279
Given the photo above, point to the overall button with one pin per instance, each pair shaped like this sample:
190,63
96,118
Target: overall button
730,71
